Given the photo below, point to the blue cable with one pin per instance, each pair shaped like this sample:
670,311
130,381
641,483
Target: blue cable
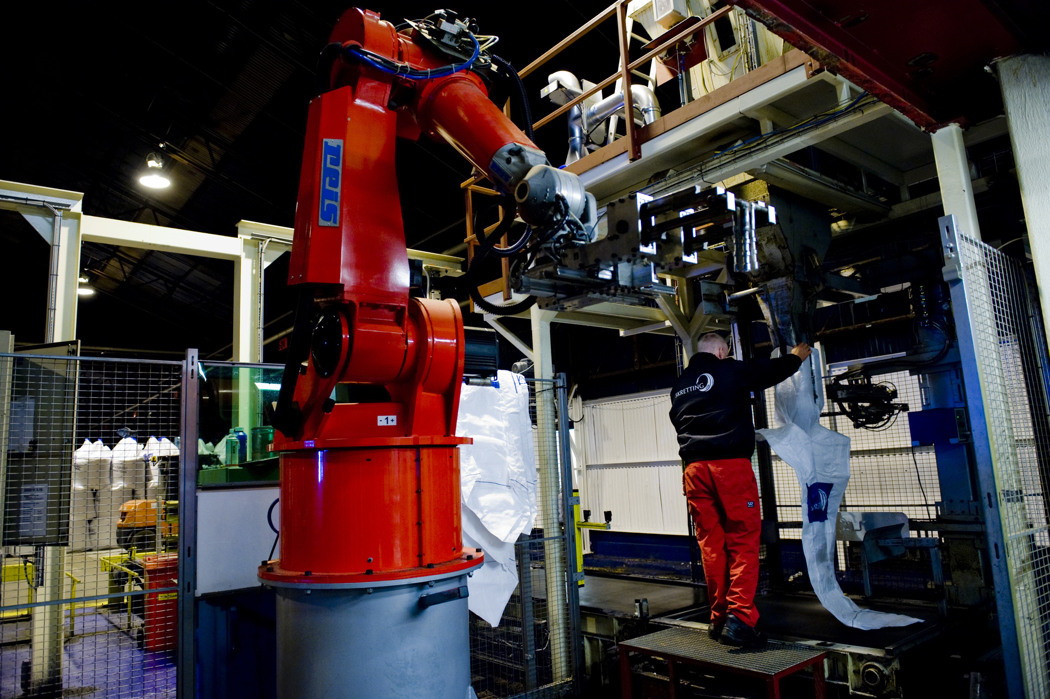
403,71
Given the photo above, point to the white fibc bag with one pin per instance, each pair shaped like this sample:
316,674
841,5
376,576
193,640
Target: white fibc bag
91,465
497,485
154,450
820,458
126,470
90,469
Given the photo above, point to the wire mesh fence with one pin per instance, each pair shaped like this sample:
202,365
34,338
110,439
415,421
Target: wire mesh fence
533,651
887,474
1011,366
88,494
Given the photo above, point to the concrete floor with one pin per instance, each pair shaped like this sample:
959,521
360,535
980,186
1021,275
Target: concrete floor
103,658
101,661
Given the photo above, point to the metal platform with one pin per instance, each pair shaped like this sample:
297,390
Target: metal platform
692,646
800,618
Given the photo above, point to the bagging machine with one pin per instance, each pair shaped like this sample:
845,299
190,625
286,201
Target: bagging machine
371,542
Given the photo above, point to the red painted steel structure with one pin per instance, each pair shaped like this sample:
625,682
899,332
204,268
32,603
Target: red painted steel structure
370,491
924,59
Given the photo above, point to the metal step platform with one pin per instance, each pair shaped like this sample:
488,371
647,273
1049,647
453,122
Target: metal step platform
693,647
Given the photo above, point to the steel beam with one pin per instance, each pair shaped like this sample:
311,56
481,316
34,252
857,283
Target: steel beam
1024,81
186,654
548,498
953,173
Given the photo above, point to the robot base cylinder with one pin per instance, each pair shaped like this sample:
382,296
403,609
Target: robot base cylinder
375,642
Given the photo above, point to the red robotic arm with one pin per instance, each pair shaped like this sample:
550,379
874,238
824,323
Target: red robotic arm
349,242
372,488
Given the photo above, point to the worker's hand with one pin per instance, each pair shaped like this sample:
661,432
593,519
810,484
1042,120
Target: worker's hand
802,351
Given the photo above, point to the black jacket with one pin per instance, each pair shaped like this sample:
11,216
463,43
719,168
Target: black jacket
711,404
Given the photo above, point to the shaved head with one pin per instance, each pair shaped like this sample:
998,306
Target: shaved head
713,343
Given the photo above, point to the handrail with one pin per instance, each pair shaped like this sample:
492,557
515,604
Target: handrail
73,603
634,64
569,40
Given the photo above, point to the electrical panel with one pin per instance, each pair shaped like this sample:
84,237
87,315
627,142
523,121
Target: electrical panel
669,12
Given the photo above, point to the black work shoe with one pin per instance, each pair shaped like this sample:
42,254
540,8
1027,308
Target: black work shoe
737,633
714,629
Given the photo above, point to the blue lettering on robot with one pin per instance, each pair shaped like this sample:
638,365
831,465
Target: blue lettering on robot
331,177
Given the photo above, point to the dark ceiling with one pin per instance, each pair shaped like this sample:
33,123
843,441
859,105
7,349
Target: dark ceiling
925,59
219,88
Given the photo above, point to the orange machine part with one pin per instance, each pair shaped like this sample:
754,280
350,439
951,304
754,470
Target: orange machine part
369,511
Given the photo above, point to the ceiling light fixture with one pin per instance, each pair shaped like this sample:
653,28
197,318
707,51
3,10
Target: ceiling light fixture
83,280
85,291
154,179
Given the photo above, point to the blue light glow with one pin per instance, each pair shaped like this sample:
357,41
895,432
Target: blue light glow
320,466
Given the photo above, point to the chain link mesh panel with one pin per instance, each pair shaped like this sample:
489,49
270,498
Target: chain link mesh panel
887,474
89,483
531,652
1012,365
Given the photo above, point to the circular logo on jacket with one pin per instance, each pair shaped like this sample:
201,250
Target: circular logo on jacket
704,382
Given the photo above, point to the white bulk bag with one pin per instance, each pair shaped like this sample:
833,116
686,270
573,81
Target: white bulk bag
820,458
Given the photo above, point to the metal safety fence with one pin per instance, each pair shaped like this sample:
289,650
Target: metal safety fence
90,601
536,650
1005,368
89,467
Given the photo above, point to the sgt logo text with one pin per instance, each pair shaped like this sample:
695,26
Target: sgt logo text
331,177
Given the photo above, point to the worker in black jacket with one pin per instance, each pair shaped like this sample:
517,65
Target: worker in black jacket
711,412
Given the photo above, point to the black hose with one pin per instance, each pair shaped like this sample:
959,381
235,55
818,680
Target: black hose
510,310
510,250
269,520
470,278
522,95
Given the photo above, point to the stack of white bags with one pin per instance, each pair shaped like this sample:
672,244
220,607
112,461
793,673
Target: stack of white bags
104,479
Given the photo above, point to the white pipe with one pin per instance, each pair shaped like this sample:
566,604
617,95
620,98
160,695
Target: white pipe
581,122
644,102
577,136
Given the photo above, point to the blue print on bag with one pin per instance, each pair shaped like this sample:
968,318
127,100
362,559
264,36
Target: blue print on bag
819,494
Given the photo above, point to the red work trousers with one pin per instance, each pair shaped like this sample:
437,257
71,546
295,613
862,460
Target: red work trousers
723,501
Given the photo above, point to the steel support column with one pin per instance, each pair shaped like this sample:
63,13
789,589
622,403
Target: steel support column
953,173
186,661
981,438
549,496
572,589
1024,81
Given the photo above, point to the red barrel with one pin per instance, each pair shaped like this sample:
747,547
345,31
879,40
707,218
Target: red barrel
161,571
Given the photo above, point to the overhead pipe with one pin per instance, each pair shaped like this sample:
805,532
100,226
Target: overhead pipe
582,122
577,135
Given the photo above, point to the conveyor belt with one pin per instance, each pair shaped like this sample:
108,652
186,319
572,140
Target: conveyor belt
611,595
800,617
616,596
784,616
693,644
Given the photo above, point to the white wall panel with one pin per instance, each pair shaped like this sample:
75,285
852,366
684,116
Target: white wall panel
644,498
631,464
